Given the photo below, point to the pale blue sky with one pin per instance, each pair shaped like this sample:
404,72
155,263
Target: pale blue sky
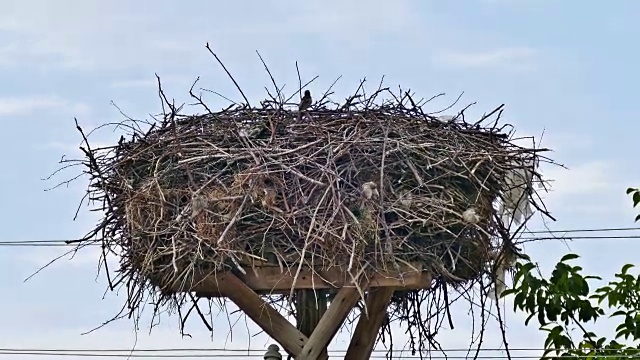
568,69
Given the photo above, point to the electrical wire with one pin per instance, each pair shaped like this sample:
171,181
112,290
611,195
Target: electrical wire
64,242
244,353
227,350
135,350
583,230
193,356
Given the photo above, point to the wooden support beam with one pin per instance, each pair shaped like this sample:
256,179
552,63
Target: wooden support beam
366,333
310,307
271,280
330,323
244,291
263,314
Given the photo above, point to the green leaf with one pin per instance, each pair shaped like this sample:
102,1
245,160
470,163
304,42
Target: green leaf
621,327
624,332
586,314
531,301
526,321
568,257
629,323
564,341
636,198
584,290
547,341
618,313
630,190
553,310
518,301
567,297
541,315
587,344
626,268
524,288
526,268
636,333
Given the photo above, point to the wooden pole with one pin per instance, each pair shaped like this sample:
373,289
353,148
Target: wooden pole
330,323
368,328
310,306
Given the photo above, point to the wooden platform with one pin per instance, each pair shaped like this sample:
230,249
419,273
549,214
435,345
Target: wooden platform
272,280
245,291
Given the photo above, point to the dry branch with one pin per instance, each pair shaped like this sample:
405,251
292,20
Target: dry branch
372,183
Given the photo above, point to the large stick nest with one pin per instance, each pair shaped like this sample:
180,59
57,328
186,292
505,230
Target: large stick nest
367,184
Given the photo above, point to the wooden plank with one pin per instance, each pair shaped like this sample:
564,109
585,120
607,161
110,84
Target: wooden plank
271,280
263,314
330,323
366,333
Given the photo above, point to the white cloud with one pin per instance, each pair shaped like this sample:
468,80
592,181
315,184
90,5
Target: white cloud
57,145
87,257
582,179
594,187
151,81
560,141
134,83
80,34
17,106
7,54
117,34
511,2
71,149
584,186
512,57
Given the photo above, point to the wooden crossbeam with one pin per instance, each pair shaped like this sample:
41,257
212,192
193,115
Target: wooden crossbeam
244,293
263,314
271,280
366,333
280,329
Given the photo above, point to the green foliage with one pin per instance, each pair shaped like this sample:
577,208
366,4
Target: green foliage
565,302
635,194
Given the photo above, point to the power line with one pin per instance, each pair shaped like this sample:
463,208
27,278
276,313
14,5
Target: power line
63,242
232,350
541,238
35,243
191,356
583,230
197,353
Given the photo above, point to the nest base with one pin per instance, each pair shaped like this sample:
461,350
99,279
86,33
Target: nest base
269,280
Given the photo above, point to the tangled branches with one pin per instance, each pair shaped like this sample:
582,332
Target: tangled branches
362,186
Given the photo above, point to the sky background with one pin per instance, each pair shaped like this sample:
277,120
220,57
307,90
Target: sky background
567,72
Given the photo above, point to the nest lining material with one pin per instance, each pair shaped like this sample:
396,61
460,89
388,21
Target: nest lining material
348,188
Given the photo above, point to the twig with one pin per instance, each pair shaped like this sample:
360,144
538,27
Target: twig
196,195
230,76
